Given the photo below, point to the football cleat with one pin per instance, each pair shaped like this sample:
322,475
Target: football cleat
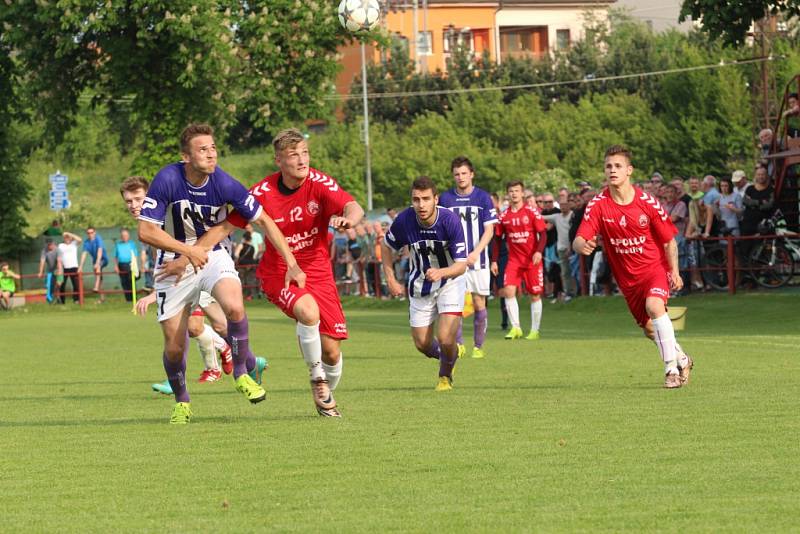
477,352
227,360
684,372
210,375
462,350
672,381
257,374
181,414
162,387
514,333
534,334
247,387
323,398
445,383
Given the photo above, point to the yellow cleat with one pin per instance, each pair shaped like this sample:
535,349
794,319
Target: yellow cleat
462,351
181,414
514,333
477,352
250,389
533,335
445,383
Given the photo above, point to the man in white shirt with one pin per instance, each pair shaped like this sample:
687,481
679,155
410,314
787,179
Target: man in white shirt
739,179
68,264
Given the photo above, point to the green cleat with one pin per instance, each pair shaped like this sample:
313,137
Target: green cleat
248,387
533,335
462,351
514,333
477,352
162,387
181,414
257,373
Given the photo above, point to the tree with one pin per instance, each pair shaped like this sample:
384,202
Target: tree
15,189
166,64
731,21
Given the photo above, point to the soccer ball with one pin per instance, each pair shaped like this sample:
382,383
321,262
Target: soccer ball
359,15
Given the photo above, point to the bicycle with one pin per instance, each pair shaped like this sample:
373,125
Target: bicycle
771,263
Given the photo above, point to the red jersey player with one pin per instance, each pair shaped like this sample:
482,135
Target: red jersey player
526,237
639,244
303,202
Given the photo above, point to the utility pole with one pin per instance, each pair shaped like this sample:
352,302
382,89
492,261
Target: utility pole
366,123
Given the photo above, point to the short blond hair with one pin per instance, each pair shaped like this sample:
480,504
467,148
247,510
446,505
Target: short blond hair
287,138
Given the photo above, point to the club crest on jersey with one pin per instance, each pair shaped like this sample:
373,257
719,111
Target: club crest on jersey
623,222
312,207
643,221
525,220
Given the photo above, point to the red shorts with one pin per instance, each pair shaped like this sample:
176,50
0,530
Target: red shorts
655,284
322,288
531,275
198,312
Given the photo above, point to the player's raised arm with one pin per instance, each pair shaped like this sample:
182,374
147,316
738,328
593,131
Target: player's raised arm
278,240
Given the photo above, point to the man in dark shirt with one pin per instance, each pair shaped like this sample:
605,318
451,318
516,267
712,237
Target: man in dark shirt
758,202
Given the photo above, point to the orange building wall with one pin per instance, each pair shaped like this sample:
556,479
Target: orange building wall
438,20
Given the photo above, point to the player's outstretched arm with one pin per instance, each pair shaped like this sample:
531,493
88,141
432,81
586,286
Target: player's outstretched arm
671,250
453,271
154,235
584,246
278,240
395,288
350,217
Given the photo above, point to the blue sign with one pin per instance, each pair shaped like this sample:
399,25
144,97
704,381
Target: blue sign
60,204
58,178
58,186
59,195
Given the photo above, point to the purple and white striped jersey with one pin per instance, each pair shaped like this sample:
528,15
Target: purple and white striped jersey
437,246
187,212
476,210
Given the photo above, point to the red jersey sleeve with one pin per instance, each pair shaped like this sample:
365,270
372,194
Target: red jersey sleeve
660,223
331,195
590,225
235,218
539,224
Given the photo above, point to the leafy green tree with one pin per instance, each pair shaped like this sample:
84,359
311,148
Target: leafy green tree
731,21
15,190
175,62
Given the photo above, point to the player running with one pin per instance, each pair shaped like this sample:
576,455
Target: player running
639,244
436,287
183,202
478,217
209,339
526,238
303,202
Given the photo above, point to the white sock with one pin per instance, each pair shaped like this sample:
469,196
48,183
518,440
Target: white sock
311,346
683,359
665,341
219,342
536,315
333,372
512,308
205,342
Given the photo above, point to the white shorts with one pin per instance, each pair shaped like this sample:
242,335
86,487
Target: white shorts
423,311
205,299
172,299
478,281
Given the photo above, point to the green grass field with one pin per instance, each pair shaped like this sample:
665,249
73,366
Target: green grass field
570,433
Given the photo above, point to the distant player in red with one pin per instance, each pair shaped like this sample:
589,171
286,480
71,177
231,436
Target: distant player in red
639,244
303,202
526,237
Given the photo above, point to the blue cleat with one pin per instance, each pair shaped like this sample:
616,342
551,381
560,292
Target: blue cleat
163,388
258,371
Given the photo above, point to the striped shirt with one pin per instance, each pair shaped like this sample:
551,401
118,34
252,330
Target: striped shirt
431,247
476,210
